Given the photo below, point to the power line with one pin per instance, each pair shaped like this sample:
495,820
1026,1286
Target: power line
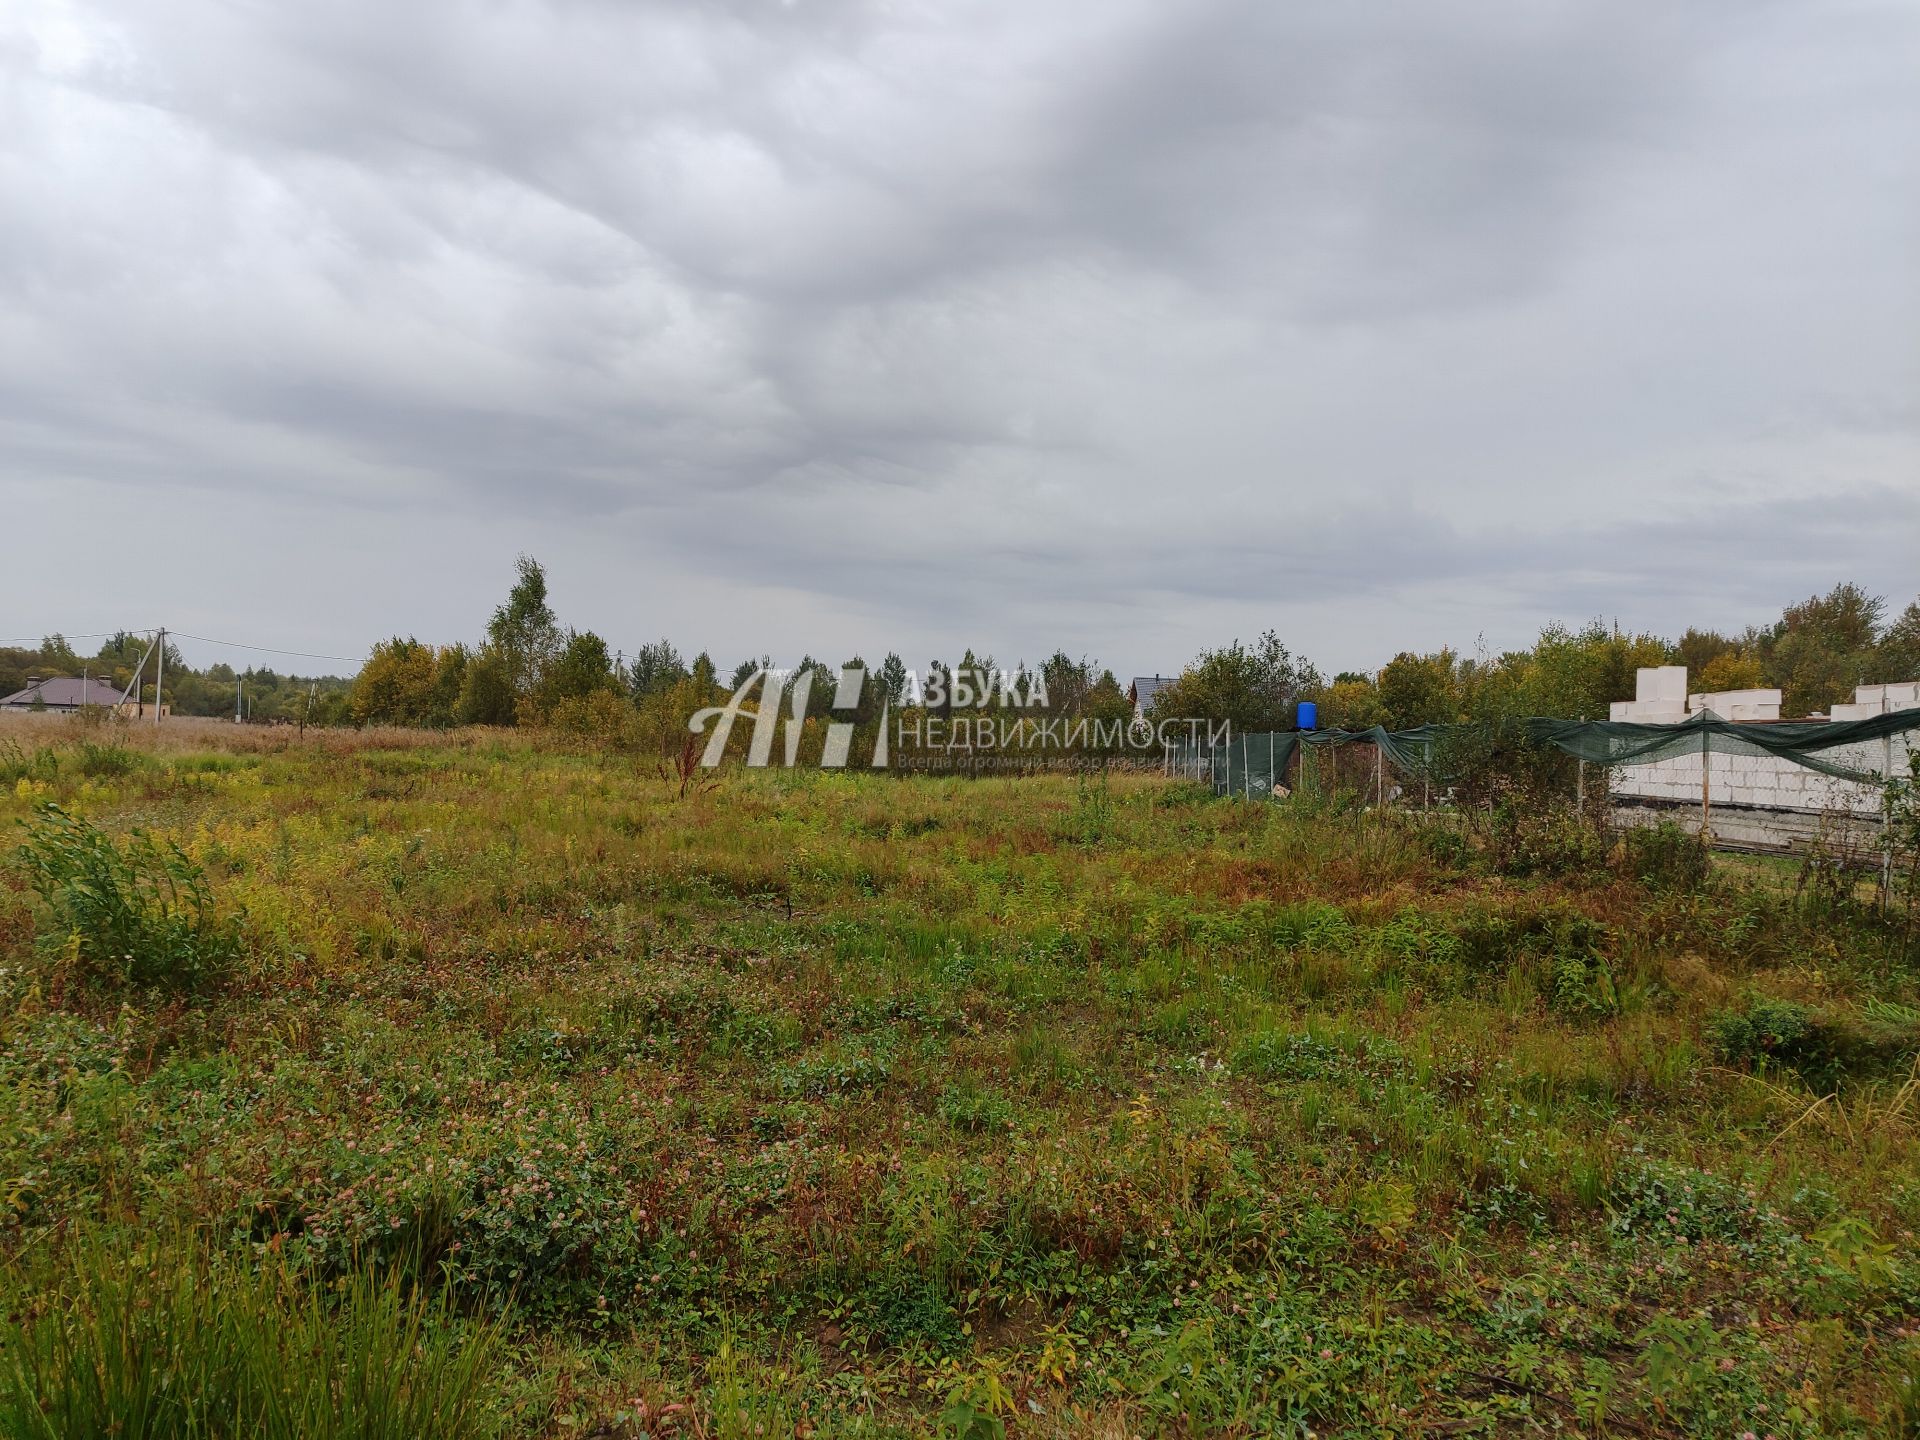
269,650
183,635
62,635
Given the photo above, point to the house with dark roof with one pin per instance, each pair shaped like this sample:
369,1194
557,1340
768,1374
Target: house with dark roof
1144,688
63,694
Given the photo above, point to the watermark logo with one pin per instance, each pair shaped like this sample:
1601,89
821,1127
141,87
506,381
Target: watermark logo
766,719
917,729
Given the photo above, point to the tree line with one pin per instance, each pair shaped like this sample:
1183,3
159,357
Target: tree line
256,693
1815,654
529,669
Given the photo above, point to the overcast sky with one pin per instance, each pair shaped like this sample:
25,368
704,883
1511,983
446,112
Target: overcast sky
831,326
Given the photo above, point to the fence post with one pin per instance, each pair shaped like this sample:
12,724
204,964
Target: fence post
1706,790
1886,820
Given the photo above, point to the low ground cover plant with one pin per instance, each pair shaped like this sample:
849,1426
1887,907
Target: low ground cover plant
488,1085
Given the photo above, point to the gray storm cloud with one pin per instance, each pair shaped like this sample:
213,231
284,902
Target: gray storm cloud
832,326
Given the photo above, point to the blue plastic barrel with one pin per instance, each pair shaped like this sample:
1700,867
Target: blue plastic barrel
1308,716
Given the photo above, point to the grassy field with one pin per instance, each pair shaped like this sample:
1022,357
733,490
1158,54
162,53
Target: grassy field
463,1085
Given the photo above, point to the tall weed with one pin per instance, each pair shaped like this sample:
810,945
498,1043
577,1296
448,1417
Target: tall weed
136,913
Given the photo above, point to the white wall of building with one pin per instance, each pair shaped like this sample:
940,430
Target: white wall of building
1763,781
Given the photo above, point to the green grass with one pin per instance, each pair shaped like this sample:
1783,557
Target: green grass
527,1094
161,1339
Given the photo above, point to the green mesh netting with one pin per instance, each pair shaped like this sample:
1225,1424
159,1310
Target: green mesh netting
1252,764
1621,742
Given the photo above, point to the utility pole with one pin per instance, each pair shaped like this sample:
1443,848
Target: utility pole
159,673
133,685
239,689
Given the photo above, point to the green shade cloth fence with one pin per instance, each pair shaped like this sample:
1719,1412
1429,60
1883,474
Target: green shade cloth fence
1804,742
1253,764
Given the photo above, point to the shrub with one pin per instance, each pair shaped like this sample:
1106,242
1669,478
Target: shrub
1554,841
101,761
137,913
1581,986
522,1207
18,763
1766,1032
1666,856
601,718
169,1340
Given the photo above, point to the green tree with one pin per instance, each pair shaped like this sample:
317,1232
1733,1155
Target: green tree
1822,647
1068,682
1697,649
819,693
1897,655
395,686
57,657
1419,690
1351,702
523,632
583,667
655,668
1253,687
486,691
1577,673
1729,670
1107,706
747,667
449,680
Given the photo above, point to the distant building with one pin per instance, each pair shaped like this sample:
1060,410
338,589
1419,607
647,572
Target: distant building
1144,688
63,694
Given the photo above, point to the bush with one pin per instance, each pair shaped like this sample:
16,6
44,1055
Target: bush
509,1207
1666,856
167,1341
1767,1031
1555,841
103,761
602,718
1823,1048
138,913
18,763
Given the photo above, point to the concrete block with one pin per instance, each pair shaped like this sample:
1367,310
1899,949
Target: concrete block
1652,712
1757,704
1662,682
1878,699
